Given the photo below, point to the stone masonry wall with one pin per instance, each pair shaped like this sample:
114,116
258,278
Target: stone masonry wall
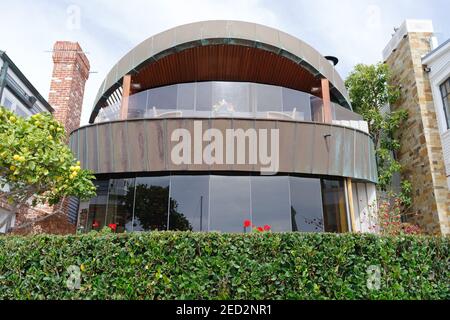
421,150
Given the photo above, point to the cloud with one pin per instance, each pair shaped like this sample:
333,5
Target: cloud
354,30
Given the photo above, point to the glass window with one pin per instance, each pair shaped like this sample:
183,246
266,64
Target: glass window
270,202
98,207
306,205
204,96
152,199
164,98
268,98
189,202
120,204
7,103
186,96
298,101
22,111
316,109
230,97
229,203
334,206
445,91
137,104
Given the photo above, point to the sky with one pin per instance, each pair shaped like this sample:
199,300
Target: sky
356,31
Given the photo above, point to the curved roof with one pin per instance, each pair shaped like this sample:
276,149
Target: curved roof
220,32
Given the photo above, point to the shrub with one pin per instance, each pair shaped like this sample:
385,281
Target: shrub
184,265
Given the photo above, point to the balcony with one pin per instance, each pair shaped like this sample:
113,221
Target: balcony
228,100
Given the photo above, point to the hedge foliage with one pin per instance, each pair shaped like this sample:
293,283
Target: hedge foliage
177,265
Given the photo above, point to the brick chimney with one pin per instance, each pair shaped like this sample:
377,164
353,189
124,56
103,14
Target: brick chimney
70,72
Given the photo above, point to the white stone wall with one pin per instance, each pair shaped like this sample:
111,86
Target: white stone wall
365,207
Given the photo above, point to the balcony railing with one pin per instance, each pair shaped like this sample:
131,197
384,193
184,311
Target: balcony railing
228,99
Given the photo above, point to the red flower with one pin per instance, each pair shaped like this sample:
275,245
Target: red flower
260,229
95,224
247,223
112,226
267,227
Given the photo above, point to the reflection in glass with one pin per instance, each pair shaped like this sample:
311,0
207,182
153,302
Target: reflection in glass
137,105
306,205
229,203
164,98
220,203
186,96
270,202
268,98
297,101
152,199
119,212
334,206
204,96
230,97
316,109
98,206
189,203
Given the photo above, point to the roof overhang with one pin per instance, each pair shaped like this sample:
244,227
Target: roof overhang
171,48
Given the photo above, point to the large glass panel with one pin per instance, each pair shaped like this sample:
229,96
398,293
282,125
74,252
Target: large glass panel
189,202
152,200
334,206
98,207
120,204
297,103
229,203
316,109
164,98
306,205
137,104
186,96
204,97
270,202
230,98
268,98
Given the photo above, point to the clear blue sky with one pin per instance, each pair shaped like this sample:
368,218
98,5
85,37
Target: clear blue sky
353,30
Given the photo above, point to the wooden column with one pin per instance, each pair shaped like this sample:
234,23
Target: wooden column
350,203
126,92
327,114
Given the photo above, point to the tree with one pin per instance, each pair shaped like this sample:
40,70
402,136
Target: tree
36,165
370,92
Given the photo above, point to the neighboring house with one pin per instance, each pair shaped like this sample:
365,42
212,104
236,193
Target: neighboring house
437,63
423,75
20,96
71,70
17,93
223,75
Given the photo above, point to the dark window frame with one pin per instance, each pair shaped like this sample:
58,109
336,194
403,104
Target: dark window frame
445,94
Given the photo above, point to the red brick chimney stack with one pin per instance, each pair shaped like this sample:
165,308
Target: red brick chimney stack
70,72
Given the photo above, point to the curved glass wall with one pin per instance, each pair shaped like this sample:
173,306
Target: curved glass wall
224,99
219,203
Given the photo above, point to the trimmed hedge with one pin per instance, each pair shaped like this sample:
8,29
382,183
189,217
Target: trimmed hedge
180,265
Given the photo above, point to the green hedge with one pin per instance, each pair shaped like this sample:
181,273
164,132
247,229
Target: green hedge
171,265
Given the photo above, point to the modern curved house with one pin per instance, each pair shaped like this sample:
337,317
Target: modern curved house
209,124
